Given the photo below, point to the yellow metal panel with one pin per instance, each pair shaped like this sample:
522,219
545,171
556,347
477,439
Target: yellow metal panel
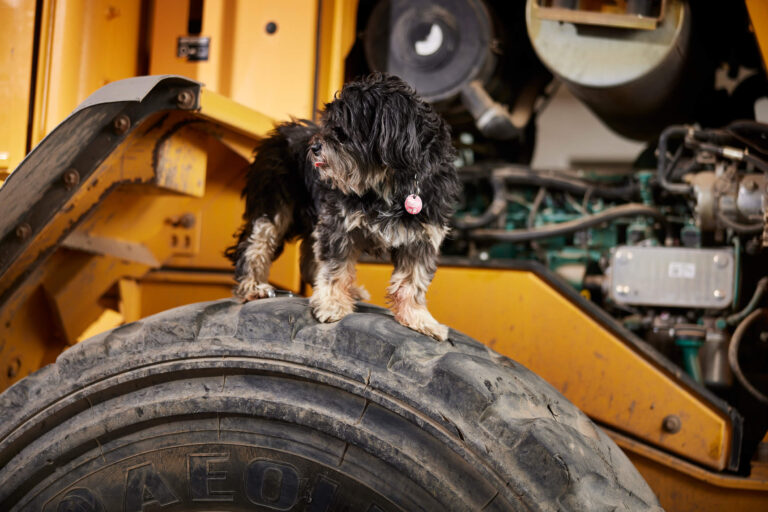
78,283
181,162
338,24
685,487
84,44
162,290
134,215
521,316
109,319
169,21
284,272
758,15
17,28
273,73
236,116
129,299
28,322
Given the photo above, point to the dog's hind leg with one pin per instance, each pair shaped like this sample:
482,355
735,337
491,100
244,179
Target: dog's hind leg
260,243
415,265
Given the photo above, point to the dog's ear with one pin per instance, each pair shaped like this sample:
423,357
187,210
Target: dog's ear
412,136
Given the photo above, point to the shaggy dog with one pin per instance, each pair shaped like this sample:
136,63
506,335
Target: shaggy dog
376,175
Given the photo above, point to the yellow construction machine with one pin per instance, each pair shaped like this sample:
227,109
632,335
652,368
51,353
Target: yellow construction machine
133,381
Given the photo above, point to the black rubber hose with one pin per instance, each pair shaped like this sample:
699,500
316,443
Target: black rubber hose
498,207
565,228
733,354
661,171
519,175
735,318
757,162
750,133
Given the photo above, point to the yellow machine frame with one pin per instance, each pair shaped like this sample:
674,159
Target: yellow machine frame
146,230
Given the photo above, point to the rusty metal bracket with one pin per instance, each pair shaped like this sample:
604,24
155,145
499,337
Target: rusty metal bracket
33,194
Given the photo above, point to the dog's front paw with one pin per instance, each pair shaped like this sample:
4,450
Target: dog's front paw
329,311
434,330
421,321
249,289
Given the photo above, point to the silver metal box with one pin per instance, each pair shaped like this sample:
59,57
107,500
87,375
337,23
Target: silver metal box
672,276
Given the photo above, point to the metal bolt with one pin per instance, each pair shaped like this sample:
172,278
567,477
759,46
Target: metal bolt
623,256
622,289
721,260
23,231
671,424
185,100
271,27
719,294
121,124
70,178
187,220
14,367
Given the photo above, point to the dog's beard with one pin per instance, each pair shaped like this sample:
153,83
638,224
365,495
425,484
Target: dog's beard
340,170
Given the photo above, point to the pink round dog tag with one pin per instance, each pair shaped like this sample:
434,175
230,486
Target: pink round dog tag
413,204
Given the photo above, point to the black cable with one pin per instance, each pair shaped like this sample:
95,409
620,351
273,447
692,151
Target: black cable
535,207
733,354
735,318
498,206
520,175
662,170
572,226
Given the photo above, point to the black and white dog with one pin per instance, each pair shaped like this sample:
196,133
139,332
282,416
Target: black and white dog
376,175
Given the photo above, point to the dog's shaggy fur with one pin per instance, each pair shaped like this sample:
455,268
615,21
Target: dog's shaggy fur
342,185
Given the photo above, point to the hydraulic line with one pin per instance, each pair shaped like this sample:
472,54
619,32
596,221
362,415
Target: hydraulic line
516,175
499,177
735,318
497,207
733,354
566,228
661,171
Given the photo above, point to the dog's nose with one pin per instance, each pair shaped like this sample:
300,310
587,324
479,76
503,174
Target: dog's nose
316,147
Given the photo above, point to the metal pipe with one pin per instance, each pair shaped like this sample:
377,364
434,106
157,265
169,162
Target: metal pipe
735,318
733,355
565,228
662,171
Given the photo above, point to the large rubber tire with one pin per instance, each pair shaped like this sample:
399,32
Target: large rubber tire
223,406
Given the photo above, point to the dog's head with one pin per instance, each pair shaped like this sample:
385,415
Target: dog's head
377,134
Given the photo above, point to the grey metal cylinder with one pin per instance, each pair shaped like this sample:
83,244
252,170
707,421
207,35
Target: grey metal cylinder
630,78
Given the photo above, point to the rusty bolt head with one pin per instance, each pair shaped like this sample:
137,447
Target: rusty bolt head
187,220
23,231
121,124
13,367
671,424
185,100
70,178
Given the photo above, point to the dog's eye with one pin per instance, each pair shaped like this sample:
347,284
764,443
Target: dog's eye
340,135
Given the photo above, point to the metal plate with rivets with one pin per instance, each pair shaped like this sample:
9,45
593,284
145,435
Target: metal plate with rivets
672,276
